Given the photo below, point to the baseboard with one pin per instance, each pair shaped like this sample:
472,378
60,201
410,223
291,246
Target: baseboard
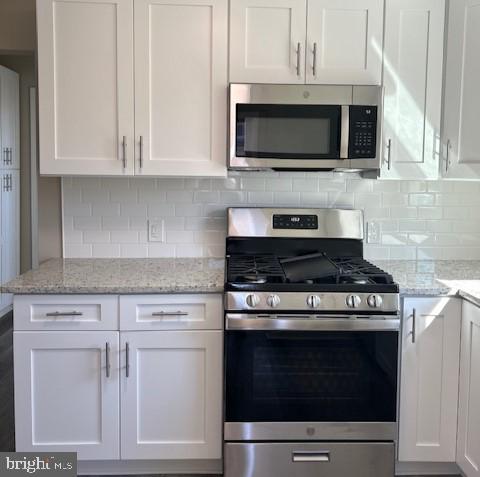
143,467
427,468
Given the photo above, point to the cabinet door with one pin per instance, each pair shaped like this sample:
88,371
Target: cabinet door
10,226
468,444
413,65
344,42
181,87
267,41
429,379
171,394
85,84
9,119
66,396
462,101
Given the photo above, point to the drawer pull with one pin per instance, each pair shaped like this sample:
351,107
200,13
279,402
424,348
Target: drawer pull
170,313
311,456
65,313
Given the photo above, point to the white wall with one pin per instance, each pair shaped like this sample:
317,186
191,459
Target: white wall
108,217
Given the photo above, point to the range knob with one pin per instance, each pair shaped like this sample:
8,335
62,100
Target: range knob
273,301
313,301
353,301
252,300
374,301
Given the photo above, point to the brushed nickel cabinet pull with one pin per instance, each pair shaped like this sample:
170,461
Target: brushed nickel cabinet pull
5,155
124,151
170,313
389,154
64,313
414,326
141,152
127,360
10,156
107,360
298,59
314,67
447,157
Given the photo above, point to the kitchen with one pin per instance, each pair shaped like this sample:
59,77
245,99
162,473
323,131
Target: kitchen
252,228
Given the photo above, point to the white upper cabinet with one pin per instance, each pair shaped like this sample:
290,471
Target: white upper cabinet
181,87
468,445
9,119
267,41
171,395
292,41
462,99
344,42
429,379
85,75
413,65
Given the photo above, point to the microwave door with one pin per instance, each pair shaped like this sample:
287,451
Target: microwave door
289,136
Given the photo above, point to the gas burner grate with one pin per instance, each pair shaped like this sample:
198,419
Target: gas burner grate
268,269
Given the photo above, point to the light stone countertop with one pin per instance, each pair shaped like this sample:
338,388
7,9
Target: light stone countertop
206,275
436,277
122,276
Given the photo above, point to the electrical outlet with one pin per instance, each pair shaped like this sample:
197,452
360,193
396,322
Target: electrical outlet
156,230
373,232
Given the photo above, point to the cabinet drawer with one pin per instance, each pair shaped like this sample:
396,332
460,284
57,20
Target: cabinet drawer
65,312
171,312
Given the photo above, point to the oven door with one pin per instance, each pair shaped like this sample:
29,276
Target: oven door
311,377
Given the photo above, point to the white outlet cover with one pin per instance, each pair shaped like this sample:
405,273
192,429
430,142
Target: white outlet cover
373,232
156,230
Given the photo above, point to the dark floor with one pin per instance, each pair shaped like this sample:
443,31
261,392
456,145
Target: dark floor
7,438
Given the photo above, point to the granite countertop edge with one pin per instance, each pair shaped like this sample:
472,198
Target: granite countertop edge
206,275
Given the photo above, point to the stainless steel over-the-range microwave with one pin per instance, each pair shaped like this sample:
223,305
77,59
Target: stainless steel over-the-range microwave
305,127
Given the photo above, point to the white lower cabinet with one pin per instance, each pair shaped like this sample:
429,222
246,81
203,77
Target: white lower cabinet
468,445
429,380
67,393
171,395
113,395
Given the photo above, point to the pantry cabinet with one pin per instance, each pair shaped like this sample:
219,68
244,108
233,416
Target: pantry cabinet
10,231
9,119
300,41
146,386
171,395
429,379
132,87
468,445
412,76
461,155
66,393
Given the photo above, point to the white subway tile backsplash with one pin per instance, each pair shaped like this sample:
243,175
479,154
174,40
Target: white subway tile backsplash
108,217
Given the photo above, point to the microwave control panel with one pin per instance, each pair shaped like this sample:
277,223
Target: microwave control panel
363,132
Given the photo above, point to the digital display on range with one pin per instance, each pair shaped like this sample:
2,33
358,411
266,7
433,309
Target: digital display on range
302,222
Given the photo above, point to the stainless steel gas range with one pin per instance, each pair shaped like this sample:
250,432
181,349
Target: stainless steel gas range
311,347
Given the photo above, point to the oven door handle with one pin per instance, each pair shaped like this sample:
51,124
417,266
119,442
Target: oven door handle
281,322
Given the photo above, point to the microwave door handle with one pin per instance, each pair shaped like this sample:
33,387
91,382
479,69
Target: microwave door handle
345,132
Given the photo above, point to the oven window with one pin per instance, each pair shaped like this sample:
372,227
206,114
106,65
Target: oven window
311,376
288,131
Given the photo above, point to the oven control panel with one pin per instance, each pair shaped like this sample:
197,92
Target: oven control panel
363,132
297,222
